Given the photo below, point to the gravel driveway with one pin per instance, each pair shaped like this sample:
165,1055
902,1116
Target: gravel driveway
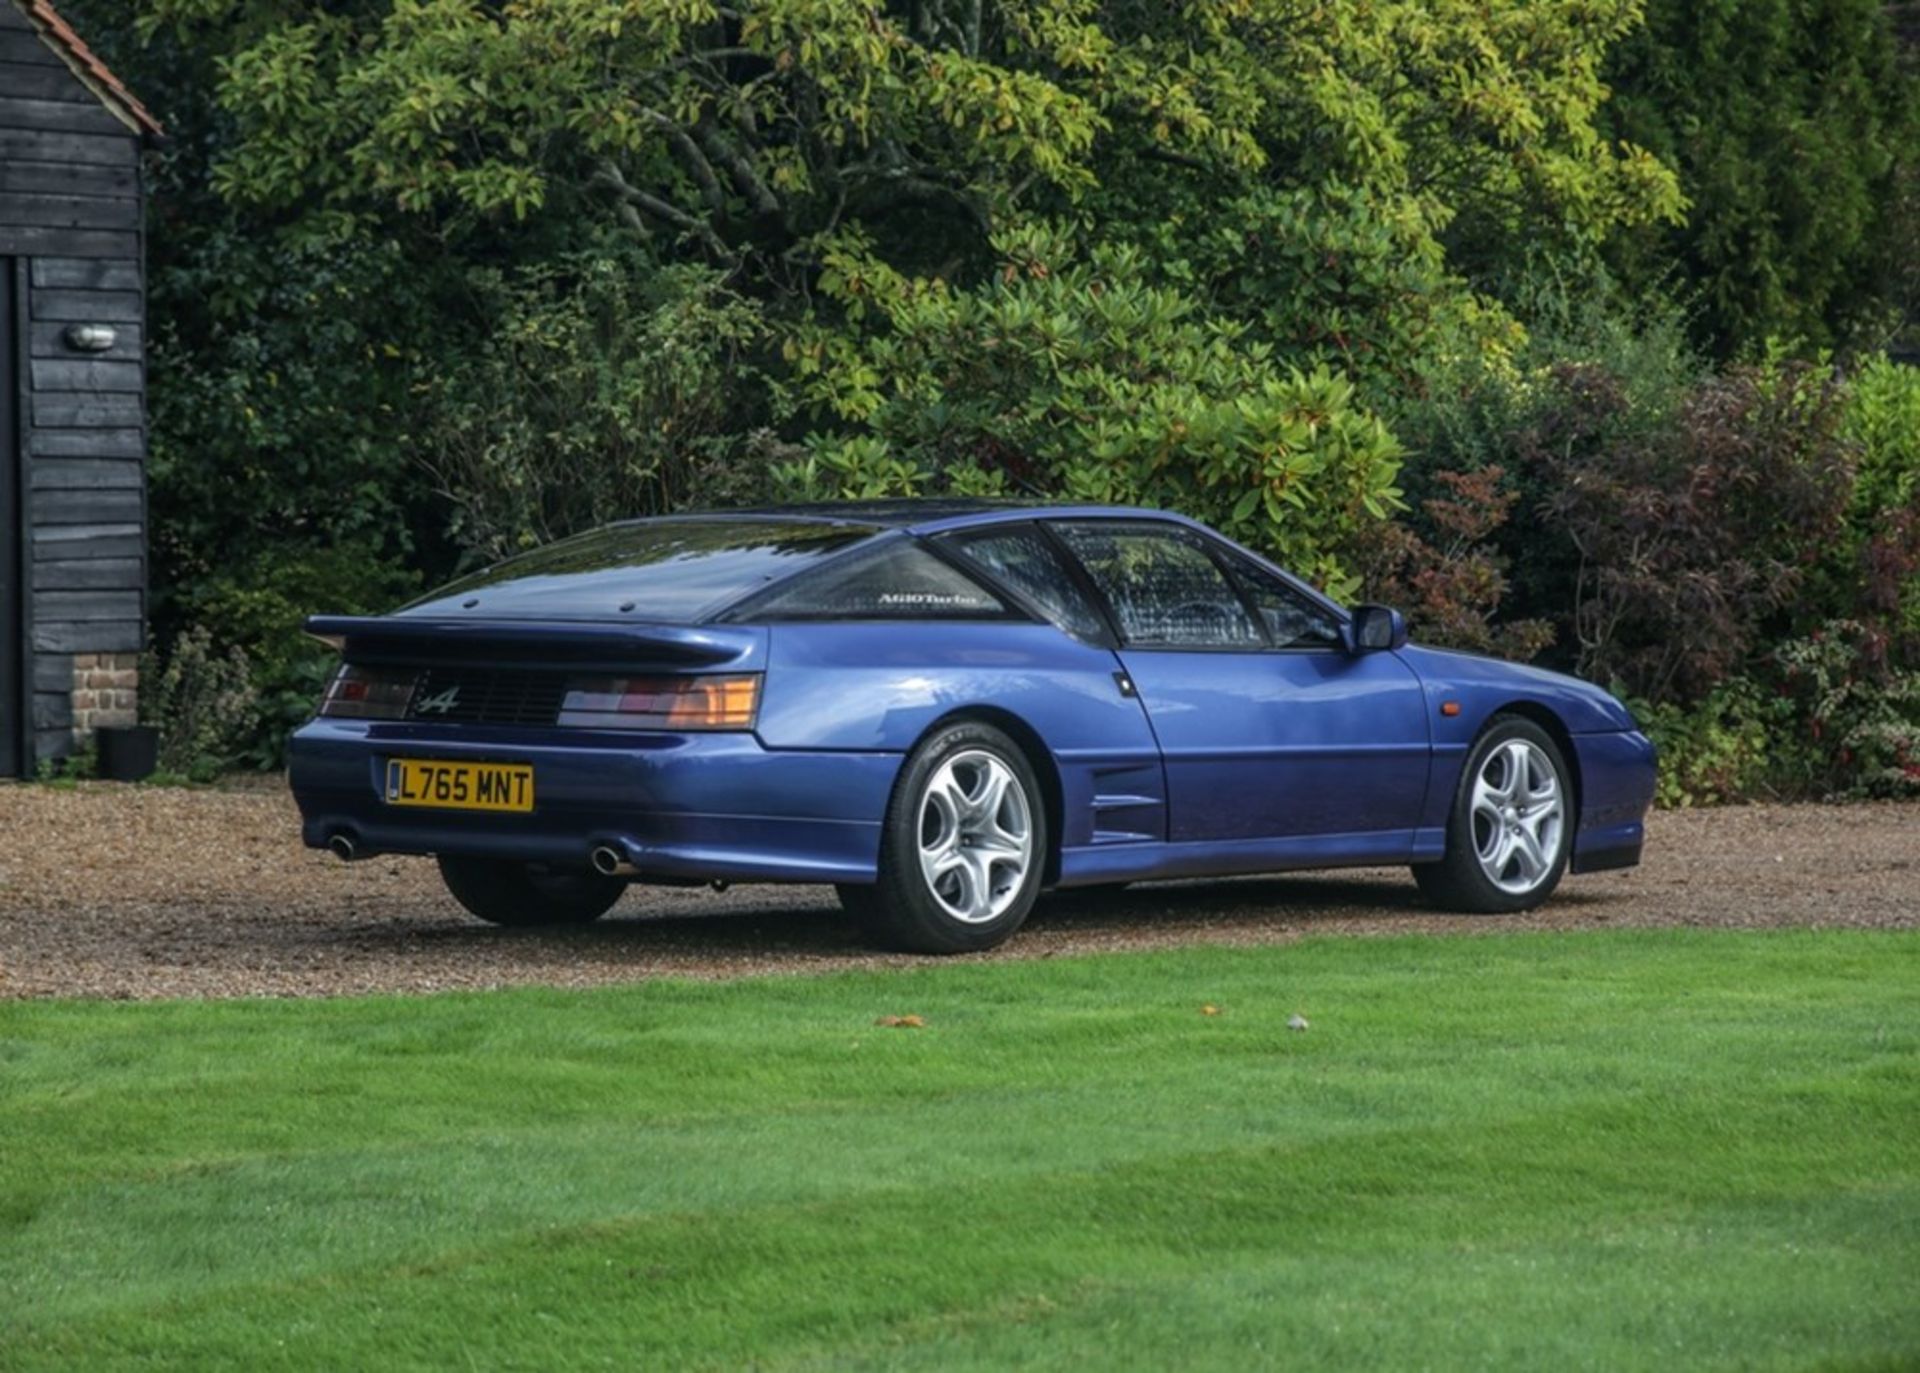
120,891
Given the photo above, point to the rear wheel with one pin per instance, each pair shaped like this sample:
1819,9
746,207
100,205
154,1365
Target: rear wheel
503,892
1510,831
962,847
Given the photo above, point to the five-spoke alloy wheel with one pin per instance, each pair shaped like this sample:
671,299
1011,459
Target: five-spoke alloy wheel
1508,834
962,847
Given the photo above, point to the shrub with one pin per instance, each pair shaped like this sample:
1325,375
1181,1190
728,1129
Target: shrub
1861,718
1452,589
1065,375
258,604
203,704
607,388
1728,746
1874,570
1687,547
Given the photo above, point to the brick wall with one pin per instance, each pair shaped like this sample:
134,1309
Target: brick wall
106,691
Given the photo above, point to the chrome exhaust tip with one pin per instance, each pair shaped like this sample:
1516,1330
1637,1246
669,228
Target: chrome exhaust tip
341,846
610,862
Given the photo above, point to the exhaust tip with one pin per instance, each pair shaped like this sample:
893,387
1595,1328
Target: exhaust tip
341,846
607,861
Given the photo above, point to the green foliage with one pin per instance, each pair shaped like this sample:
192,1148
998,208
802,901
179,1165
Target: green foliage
1874,568
1452,588
1066,376
66,774
1795,126
1727,746
742,132
606,389
435,280
203,703
1862,718
255,606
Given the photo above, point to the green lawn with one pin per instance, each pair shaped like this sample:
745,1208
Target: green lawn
1663,1150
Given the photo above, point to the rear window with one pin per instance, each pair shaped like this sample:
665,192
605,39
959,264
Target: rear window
896,580
674,570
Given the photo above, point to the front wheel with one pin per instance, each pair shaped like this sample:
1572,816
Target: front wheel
962,847
1510,830
502,892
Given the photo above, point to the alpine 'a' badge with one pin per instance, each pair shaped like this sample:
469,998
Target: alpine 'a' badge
440,704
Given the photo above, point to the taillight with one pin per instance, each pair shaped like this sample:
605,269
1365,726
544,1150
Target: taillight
369,693
704,701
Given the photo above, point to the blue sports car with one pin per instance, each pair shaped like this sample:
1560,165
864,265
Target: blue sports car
942,708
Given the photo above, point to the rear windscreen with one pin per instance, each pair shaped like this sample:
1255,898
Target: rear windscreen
669,569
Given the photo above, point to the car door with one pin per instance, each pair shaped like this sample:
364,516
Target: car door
1270,729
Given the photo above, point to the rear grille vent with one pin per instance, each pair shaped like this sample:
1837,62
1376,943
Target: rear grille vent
487,696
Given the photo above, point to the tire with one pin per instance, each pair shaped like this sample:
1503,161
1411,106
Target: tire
962,848
1507,849
502,892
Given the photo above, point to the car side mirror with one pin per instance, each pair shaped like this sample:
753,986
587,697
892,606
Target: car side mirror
1376,627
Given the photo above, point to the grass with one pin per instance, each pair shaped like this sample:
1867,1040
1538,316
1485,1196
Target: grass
1608,1151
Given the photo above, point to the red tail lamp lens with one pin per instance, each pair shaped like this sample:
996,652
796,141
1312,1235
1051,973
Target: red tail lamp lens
706,701
362,693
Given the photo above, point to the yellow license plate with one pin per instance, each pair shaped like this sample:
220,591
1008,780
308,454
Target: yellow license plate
460,786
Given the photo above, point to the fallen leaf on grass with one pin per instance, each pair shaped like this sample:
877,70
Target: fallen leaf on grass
1209,1009
900,1022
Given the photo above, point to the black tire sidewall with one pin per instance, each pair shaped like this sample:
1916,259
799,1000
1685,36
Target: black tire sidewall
906,911
502,892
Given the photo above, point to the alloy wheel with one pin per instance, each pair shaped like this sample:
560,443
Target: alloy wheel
976,836
1519,816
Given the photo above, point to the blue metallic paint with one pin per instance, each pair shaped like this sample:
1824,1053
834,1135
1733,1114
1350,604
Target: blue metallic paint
716,805
1272,759
1286,744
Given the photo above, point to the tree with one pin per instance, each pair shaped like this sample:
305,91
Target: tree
1796,132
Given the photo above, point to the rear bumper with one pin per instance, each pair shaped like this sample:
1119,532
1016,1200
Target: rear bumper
681,806
1617,772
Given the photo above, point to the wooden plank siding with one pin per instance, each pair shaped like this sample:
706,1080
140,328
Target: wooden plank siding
71,218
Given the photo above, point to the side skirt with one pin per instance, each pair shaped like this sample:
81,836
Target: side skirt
1083,866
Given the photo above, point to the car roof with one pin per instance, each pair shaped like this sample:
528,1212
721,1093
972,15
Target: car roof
929,515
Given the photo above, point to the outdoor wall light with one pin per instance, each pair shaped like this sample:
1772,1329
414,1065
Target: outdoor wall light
91,338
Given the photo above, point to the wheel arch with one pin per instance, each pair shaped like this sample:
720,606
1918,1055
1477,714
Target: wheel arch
1039,757
1535,713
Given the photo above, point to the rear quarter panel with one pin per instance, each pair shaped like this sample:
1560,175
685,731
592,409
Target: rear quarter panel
881,686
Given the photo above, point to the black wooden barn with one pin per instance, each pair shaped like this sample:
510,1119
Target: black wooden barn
72,390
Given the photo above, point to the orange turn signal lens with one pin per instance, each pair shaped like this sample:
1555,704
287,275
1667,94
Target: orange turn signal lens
694,701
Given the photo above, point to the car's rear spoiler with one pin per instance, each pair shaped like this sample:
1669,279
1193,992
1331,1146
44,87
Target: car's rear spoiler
489,643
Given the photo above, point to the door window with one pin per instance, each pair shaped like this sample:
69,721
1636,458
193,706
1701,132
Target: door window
1165,588
1025,560
1292,620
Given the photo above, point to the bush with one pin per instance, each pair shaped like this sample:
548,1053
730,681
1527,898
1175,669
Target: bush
1728,746
607,388
1689,546
203,704
1065,376
1873,573
1862,718
1452,589
256,607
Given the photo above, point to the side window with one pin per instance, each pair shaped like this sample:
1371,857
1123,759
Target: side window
1292,620
1164,587
1023,559
897,581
